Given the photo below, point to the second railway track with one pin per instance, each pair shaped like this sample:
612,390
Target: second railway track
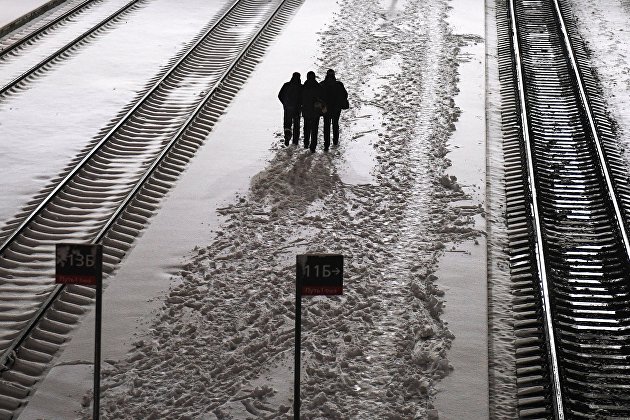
15,74
32,30
115,188
567,209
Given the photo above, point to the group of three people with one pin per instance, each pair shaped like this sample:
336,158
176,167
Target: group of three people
312,100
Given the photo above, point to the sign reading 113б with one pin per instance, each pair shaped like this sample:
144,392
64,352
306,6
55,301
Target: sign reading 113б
320,274
78,264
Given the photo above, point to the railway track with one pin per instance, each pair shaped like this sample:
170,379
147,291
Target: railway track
113,190
23,75
12,43
568,201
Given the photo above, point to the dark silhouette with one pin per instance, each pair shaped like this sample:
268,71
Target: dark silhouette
313,107
336,98
291,97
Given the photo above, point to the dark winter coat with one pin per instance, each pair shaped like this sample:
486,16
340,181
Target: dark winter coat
291,94
312,93
335,93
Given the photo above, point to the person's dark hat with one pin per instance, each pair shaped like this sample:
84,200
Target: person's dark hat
296,75
310,75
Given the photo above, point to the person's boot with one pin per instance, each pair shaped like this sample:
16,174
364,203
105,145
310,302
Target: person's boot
287,136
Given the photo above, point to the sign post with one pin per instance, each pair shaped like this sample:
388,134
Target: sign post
316,275
298,350
83,264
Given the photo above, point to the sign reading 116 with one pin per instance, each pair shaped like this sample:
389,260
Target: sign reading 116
316,270
319,274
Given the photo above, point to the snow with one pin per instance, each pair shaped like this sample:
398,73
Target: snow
198,320
462,269
604,26
12,10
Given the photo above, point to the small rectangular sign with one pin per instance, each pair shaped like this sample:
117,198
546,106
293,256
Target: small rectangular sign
320,274
78,264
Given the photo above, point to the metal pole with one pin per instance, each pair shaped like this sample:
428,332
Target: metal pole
298,340
97,351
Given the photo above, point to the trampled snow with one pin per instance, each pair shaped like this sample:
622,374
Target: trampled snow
198,322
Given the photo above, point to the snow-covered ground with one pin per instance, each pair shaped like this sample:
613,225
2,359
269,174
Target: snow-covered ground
462,271
198,321
605,26
12,10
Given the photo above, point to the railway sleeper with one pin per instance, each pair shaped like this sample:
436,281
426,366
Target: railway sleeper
43,346
530,390
19,379
8,404
537,400
529,341
63,318
526,351
534,413
528,332
522,279
34,356
536,359
27,367
69,307
47,336
524,304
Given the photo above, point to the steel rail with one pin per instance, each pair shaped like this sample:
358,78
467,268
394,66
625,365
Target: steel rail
591,121
44,28
110,133
65,48
554,370
19,339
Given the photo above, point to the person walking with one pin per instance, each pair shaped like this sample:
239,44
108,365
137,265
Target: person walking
336,98
313,107
291,97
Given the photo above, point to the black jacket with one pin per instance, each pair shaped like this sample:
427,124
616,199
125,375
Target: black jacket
291,94
311,93
335,93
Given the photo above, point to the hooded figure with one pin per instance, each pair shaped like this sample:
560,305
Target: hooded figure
336,98
312,108
291,97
